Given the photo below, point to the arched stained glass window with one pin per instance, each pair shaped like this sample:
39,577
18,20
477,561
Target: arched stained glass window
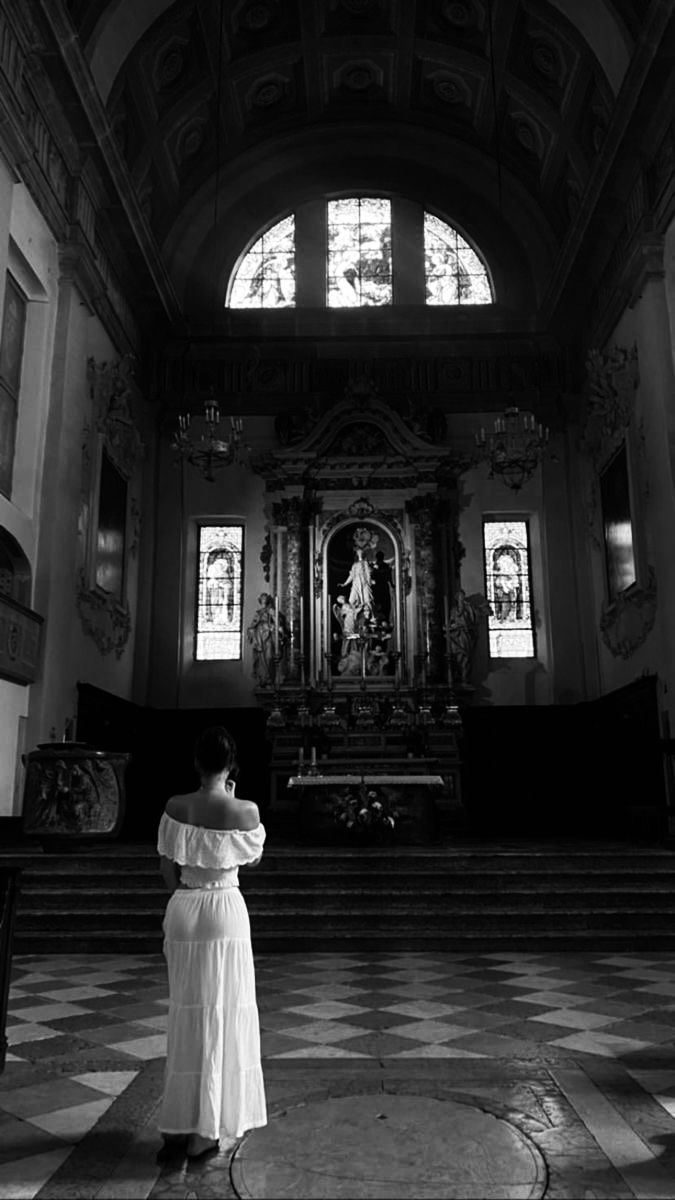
359,269
453,272
265,278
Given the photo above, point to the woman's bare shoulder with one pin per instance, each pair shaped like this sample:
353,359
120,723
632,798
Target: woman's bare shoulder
178,806
248,815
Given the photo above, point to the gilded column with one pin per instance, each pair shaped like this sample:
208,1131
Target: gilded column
288,518
423,513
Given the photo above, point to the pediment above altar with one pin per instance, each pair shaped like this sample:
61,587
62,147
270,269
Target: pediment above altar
361,441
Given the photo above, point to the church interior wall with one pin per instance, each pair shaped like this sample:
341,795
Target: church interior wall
175,678
28,252
651,648
507,681
44,513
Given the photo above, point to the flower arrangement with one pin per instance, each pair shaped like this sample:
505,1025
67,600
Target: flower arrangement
365,809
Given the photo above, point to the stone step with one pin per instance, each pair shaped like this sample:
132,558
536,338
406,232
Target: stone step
329,917
444,894
366,940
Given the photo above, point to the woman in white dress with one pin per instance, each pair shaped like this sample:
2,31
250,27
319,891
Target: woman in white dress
213,1078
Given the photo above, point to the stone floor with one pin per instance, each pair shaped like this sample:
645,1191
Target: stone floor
399,1075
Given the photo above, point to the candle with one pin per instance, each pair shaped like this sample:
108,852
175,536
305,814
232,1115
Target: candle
313,756
446,620
427,636
276,626
301,759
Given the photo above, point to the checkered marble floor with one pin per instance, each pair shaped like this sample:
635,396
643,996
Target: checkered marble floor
83,1030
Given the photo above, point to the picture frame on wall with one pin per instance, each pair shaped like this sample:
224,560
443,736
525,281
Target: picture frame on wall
109,550
618,524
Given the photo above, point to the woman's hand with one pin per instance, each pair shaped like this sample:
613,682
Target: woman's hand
170,873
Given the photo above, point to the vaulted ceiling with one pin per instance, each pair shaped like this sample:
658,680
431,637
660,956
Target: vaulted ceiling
496,112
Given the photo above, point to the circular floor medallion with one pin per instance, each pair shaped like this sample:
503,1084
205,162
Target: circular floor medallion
388,1147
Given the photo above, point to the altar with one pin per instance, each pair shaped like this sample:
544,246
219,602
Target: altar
409,796
363,635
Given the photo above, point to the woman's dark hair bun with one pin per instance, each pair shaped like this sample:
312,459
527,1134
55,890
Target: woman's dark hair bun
215,751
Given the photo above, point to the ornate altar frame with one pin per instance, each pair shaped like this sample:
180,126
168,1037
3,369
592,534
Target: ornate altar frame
360,464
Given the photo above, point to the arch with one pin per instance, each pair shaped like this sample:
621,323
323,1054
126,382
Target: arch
604,33
517,241
349,608
15,570
121,25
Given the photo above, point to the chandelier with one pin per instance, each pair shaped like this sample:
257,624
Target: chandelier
213,449
515,450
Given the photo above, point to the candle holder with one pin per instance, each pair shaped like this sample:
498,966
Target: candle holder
451,717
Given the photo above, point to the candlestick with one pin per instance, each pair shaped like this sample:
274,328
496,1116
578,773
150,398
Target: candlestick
313,759
276,626
301,760
446,621
302,641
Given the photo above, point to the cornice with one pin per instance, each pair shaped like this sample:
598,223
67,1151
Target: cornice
78,263
653,28
60,24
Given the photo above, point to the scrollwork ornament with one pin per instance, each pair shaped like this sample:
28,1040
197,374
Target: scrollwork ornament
103,619
612,380
626,623
112,388
266,556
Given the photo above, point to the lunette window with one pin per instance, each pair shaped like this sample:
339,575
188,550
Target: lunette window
508,588
219,592
360,266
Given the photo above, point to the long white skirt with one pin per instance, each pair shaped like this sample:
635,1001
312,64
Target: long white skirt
213,1082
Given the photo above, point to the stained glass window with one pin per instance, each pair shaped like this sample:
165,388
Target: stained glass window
265,277
507,576
219,592
359,252
454,273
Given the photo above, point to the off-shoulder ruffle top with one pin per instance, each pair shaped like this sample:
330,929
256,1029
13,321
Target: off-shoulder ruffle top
208,857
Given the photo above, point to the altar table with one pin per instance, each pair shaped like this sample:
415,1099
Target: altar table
412,795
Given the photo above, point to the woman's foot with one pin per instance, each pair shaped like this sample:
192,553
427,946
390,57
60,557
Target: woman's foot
173,1147
199,1147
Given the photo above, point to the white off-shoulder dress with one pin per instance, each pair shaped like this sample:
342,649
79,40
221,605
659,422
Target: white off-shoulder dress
213,1083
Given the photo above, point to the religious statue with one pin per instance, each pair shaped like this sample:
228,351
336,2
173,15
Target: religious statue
464,616
361,591
382,583
261,635
345,615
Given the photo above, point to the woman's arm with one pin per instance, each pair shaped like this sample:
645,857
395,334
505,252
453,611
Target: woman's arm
253,863
170,873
